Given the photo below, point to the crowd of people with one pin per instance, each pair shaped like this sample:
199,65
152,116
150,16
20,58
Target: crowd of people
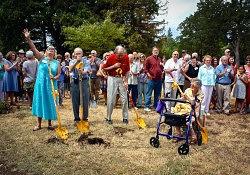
131,77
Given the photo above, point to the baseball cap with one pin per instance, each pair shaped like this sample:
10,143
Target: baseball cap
21,51
93,52
227,50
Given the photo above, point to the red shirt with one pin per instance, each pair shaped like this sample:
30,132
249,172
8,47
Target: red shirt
114,59
153,67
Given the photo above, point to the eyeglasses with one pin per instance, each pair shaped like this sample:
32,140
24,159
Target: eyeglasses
176,54
248,60
13,55
107,55
92,53
51,48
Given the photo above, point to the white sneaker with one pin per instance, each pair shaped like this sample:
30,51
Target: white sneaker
136,108
208,114
147,109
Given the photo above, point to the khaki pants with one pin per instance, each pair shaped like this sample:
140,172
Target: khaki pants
223,97
95,87
115,83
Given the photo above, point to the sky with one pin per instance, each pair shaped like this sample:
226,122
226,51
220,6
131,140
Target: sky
178,10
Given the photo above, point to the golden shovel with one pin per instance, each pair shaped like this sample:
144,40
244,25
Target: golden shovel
82,126
204,133
139,121
61,131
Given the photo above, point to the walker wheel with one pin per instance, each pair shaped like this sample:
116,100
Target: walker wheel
168,137
183,149
199,138
154,142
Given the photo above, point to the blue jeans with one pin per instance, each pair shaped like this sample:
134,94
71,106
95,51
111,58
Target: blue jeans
134,89
156,86
142,90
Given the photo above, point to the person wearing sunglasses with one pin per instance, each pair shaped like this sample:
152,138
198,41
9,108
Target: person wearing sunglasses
172,73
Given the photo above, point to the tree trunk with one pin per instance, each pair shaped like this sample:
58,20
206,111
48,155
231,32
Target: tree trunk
236,49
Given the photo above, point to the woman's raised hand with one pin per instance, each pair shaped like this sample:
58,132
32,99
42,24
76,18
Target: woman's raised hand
26,33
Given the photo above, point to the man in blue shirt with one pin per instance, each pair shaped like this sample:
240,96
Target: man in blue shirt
74,88
224,77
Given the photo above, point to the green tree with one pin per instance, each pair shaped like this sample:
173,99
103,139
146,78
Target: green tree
214,25
99,36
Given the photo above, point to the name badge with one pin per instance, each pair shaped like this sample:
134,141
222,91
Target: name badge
45,61
196,68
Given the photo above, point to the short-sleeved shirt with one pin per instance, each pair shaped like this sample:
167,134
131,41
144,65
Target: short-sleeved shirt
153,67
225,79
171,64
30,67
94,67
134,67
207,75
74,73
114,59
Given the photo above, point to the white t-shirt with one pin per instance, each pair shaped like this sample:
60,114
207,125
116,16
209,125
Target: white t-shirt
181,77
170,64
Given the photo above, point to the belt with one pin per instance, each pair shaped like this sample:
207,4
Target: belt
224,83
119,76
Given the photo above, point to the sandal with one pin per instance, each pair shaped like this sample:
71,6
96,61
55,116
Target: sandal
51,128
193,141
37,128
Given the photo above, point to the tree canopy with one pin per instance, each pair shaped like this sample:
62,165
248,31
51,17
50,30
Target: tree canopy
136,19
217,25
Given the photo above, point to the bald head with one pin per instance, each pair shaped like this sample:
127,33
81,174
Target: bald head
78,52
120,51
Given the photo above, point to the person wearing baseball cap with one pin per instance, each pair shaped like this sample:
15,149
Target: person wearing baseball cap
29,73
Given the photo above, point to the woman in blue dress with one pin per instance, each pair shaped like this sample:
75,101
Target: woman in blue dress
10,81
43,105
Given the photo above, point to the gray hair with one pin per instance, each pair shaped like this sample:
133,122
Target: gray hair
118,48
197,82
187,56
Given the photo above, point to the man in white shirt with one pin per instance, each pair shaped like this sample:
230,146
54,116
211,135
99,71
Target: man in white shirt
132,78
172,66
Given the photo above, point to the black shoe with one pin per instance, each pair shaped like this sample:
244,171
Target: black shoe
125,121
109,122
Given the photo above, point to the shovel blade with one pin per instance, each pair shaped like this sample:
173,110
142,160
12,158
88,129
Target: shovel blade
83,126
204,134
62,133
140,122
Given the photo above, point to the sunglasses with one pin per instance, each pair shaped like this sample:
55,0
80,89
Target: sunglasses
176,54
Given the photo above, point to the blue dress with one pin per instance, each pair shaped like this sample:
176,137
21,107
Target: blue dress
43,105
10,82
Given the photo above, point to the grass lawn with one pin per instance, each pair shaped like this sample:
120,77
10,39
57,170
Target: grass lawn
126,150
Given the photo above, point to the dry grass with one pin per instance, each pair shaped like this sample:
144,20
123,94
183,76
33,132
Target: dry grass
23,151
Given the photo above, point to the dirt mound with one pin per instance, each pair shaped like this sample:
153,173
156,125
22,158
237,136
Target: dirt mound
83,139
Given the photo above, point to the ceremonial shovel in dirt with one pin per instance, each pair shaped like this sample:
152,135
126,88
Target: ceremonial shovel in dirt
139,121
61,131
83,125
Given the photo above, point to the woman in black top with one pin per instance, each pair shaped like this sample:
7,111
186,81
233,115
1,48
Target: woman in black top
190,72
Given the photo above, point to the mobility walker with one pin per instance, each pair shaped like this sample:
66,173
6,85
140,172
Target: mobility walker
166,117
